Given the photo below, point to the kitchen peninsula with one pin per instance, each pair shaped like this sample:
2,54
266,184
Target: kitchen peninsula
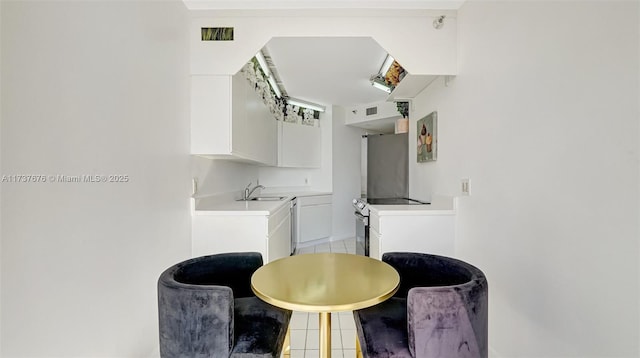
417,228
271,227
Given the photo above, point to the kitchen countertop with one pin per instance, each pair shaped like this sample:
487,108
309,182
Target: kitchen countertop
215,205
440,205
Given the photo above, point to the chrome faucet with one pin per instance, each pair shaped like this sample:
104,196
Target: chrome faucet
248,192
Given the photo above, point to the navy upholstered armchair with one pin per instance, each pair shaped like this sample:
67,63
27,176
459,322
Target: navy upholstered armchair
439,311
207,309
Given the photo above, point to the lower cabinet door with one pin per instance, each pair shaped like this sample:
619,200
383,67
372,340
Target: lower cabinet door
315,222
212,234
279,244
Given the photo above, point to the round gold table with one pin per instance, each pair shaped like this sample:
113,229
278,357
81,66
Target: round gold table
325,283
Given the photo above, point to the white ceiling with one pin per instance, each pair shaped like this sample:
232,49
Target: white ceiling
328,70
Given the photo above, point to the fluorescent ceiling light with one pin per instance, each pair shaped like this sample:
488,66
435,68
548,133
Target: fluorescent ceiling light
265,68
386,65
380,86
263,64
274,86
299,103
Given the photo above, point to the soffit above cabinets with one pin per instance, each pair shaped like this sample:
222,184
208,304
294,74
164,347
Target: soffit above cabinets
410,86
377,117
320,4
384,125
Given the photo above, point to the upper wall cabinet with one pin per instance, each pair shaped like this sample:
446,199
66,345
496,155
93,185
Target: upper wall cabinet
299,146
229,120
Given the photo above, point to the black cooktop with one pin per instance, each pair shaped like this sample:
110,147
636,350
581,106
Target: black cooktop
394,201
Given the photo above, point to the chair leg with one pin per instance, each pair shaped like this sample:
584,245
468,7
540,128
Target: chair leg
358,349
286,350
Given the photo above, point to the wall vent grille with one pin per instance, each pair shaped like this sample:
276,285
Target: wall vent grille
372,110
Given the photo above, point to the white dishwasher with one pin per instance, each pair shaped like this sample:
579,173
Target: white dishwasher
313,217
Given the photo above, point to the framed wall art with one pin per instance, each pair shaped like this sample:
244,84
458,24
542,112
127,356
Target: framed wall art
428,138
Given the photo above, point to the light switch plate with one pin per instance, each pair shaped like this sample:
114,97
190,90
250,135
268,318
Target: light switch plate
464,186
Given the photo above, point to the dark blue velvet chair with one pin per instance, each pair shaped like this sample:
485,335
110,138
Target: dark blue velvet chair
207,309
439,311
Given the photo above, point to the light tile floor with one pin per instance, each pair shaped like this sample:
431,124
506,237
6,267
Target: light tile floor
305,327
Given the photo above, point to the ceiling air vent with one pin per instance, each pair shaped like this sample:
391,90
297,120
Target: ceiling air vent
217,33
372,110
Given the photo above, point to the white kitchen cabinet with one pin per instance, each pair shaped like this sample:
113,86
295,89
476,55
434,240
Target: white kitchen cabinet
433,234
299,146
279,238
374,244
230,121
314,217
270,235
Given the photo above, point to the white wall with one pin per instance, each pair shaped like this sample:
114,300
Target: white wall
0,184
543,118
434,53
92,88
346,173
216,176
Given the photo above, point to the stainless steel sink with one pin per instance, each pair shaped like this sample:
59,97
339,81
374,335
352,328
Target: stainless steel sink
265,198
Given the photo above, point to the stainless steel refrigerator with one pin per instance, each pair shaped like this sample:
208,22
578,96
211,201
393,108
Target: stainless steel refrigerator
387,165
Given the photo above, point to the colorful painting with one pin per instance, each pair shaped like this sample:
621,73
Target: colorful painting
217,33
427,138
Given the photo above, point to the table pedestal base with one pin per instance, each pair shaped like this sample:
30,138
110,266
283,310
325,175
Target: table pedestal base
325,334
